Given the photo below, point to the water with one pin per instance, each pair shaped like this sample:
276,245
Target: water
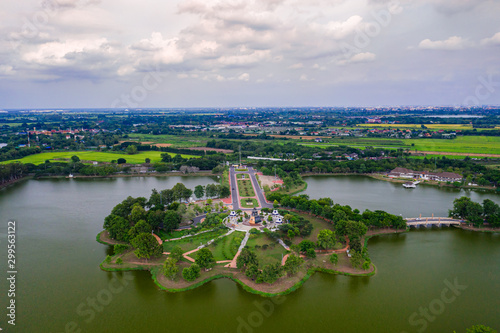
59,277
363,192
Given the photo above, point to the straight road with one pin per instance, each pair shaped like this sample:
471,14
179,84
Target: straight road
258,190
234,189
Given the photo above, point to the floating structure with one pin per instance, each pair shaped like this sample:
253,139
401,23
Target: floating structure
409,185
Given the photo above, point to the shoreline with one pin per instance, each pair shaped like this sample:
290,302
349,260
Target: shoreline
283,286
10,183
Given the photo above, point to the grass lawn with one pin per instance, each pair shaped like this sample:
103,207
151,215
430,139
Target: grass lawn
191,243
240,176
245,188
140,157
243,203
226,247
274,252
174,234
177,141
462,144
241,169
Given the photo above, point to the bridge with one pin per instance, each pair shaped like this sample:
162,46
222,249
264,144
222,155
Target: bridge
430,221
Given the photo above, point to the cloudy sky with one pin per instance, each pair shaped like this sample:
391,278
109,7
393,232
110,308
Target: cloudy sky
223,53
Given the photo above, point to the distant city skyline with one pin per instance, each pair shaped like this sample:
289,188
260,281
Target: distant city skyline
260,53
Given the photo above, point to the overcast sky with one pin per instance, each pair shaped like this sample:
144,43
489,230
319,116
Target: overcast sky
196,53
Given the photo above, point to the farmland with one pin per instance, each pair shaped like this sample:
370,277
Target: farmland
432,127
462,144
177,141
140,157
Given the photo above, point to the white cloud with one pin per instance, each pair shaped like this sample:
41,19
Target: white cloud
244,77
451,44
358,58
494,40
245,59
339,30
159,50
62,53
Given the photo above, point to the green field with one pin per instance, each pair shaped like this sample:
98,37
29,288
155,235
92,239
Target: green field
245,188
272,254
226,247
243,203
140,157
177,141
191,243
462,144
432,127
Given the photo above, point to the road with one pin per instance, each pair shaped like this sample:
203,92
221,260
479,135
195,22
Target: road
258,191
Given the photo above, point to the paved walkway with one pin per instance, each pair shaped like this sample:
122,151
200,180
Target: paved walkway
242,245
158,238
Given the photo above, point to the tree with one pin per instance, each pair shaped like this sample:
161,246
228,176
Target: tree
155,218
326,239
191,273
310,253
271,273
246,258
170,268
334,259
146,246
356,259
199,191
491,212
117,227
355,229
171,221
205,258
132,149
139,228
75,159
121,161
147,160
293,264
306,245
176,253
459,210
138,213
252,272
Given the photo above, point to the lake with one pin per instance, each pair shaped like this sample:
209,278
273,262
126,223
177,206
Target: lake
363,192
60,287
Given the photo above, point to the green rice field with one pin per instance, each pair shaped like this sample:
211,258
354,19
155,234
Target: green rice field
140,157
